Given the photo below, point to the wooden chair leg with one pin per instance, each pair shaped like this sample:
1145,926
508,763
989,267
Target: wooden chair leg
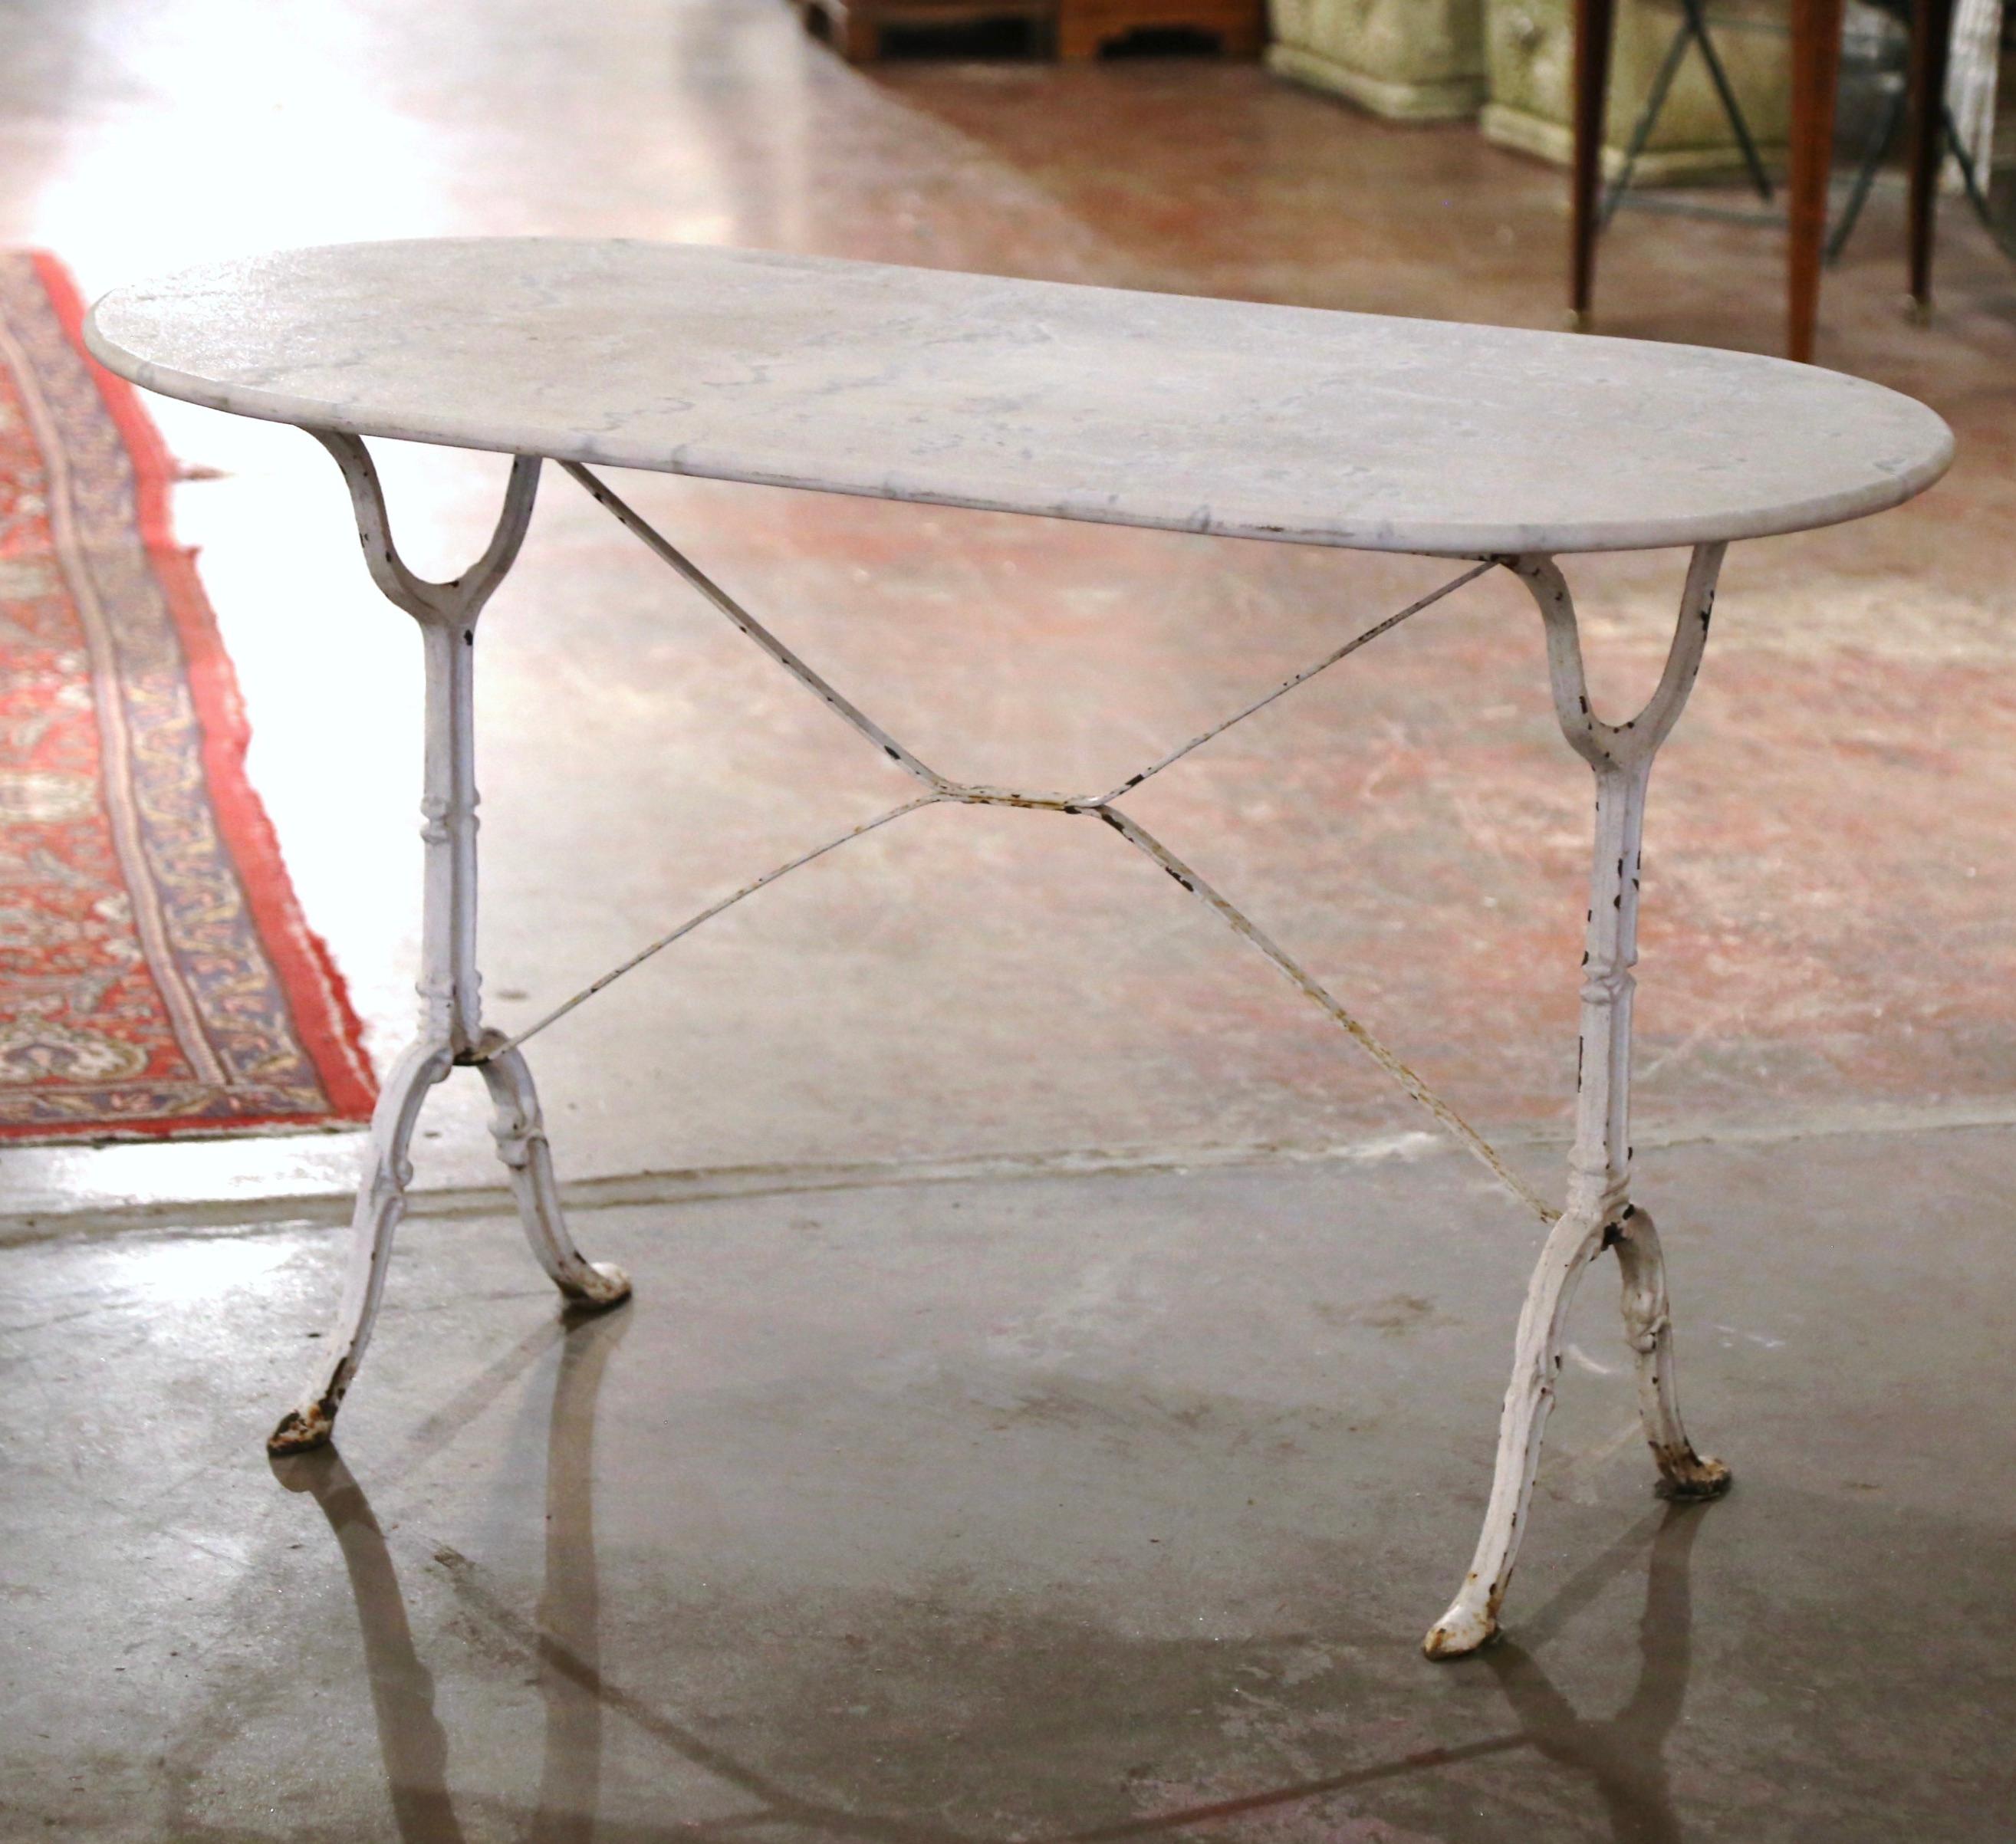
1816,78
1078,42
858,39
1595,22
1246,36
1932,46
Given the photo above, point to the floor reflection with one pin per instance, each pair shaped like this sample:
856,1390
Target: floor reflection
571,1607
1621,1757
410,1735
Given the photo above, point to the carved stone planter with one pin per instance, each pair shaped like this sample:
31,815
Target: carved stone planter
1416,60
1530,55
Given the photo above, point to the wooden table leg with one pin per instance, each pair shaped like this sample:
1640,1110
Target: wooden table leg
1595,21
1931,45
1815,76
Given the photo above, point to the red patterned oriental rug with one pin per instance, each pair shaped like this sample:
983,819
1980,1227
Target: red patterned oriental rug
156,977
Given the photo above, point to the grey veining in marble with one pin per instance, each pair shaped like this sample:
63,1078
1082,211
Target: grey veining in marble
1132,408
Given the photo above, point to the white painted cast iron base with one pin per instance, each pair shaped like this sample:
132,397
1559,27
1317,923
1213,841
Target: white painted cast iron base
451,1028
1600,1214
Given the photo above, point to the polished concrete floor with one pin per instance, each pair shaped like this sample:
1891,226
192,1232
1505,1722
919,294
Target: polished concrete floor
1105,1507
1156,1420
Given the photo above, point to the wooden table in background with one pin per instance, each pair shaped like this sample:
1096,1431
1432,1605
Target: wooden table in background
1816,33
1079,30
1085,27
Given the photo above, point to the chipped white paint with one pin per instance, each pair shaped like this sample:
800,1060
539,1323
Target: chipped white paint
451,1028
1600,1214
1197,415
1584,1361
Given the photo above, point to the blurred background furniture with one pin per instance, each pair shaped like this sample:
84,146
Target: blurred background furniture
1077,29
1692,46
854,27
1411,60
1086,27
1814,46
1968,109
1691,133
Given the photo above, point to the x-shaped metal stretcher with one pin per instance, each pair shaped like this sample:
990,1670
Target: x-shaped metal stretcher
1598,1215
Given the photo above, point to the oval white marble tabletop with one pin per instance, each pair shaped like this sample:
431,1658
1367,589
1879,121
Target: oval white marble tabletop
1129,408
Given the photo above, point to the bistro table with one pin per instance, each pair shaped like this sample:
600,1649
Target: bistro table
1499,449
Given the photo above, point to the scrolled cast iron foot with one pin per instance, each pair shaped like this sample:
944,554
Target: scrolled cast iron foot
302,1430
520,1130
1470,1623
607,1286
1688,1477
1683,1474
1575,1240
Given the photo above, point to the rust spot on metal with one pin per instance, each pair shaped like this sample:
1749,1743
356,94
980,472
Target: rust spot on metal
302,1430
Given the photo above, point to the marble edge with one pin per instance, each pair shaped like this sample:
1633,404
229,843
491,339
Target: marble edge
1464,539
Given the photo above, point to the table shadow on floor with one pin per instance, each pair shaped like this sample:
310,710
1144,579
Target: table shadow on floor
1619,1757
